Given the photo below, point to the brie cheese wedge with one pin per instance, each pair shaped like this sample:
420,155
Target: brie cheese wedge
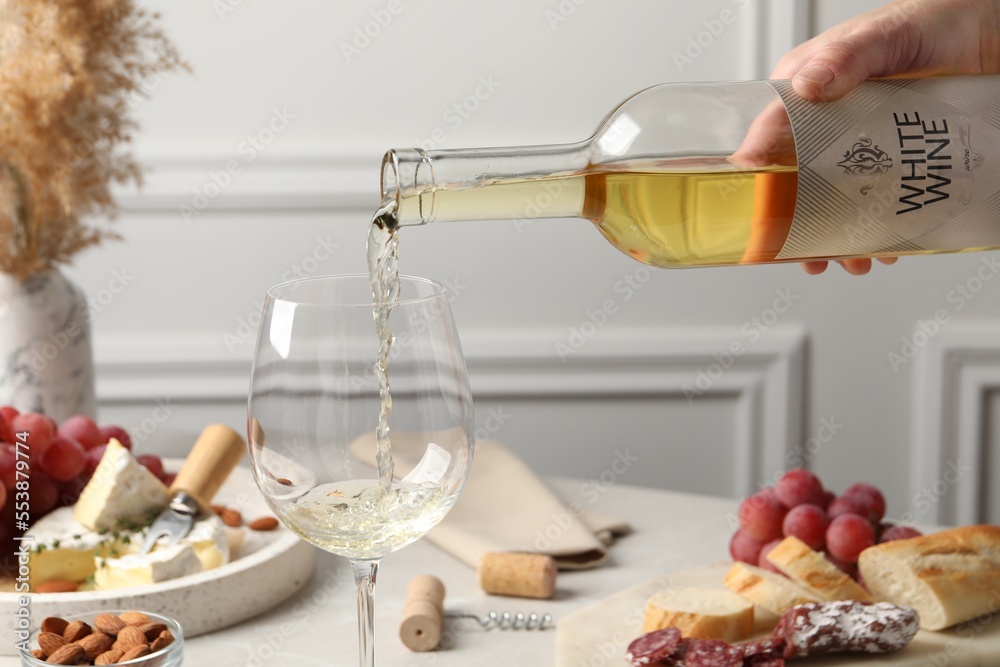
64,549
163,564
121,491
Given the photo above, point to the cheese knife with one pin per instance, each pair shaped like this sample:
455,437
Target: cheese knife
215,454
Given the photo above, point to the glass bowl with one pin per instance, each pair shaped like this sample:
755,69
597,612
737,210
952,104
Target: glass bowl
171,656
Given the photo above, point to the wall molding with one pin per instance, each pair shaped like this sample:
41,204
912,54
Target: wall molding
766,383
955,372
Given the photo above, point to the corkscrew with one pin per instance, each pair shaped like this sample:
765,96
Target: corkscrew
505,620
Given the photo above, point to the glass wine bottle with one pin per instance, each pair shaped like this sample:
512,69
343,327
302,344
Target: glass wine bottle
683,175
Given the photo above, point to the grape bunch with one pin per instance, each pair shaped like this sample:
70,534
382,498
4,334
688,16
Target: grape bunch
61,460
840,527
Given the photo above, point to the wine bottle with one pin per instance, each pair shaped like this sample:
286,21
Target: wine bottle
709,174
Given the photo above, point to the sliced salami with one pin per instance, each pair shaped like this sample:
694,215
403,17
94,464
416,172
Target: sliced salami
845,625
713,653
654,647
774,648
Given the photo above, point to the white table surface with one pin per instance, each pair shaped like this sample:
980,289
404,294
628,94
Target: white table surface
318,626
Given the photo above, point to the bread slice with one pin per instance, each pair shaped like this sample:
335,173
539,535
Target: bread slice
811,569
771,591
701,613
948,577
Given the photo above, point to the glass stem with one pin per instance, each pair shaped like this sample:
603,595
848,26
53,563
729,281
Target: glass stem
365,572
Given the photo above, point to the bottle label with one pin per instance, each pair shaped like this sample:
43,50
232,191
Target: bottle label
897,166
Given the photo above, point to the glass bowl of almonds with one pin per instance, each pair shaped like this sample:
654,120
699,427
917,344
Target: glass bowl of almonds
118,637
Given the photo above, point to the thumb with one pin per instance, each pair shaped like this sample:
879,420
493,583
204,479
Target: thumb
838,67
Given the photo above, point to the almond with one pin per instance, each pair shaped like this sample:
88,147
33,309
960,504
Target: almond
135,652
109,624
109,657
70,654
57,586
50,642
76,631
130,636
95,644
152,630
134,617
230,517
54,624
158,644
166,636
263,523
39,653
284,481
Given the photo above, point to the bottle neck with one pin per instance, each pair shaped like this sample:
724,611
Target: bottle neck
521,182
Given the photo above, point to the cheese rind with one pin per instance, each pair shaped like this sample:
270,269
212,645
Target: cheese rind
120,490
131,570
63,549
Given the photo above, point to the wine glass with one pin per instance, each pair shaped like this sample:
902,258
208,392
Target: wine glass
313,409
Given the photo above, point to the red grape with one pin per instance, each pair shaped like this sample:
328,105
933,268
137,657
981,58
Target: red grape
118,433
808,523
6,432
844,505
868,496
799,487
82,429
69,492
93,459
8,465
39,431
762,560
44,494
898,533
761,516
9,412
828,497
63,459
153,464
744,548
168,479
3,495
848,535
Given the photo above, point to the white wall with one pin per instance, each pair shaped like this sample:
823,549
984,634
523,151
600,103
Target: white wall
178,332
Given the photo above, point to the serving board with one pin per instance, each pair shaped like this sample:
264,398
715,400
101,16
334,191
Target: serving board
600,633
268,568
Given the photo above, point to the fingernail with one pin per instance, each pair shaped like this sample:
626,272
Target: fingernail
816,74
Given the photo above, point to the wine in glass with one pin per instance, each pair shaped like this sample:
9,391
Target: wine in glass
313,409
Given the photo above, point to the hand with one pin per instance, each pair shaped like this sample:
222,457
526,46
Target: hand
905,37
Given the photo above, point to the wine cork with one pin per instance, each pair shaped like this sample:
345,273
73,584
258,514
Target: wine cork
423,612
518,575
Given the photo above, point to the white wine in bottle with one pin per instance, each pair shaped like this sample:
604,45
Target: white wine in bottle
684,175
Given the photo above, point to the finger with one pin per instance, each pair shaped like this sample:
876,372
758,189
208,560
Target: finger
856,267
888,260
814,268
884,49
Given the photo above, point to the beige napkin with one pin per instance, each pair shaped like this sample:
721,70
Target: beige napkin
505,506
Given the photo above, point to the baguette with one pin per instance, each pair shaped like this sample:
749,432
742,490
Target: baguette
701,613
811,569
771,591
948,577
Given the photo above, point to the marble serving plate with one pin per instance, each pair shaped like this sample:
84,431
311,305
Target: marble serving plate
267,569
600,633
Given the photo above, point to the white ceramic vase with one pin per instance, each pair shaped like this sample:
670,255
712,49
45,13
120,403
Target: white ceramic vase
46,358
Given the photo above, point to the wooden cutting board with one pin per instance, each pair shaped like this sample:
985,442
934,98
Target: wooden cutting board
597,636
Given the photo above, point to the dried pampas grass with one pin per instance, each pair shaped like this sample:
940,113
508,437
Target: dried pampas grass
70,71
